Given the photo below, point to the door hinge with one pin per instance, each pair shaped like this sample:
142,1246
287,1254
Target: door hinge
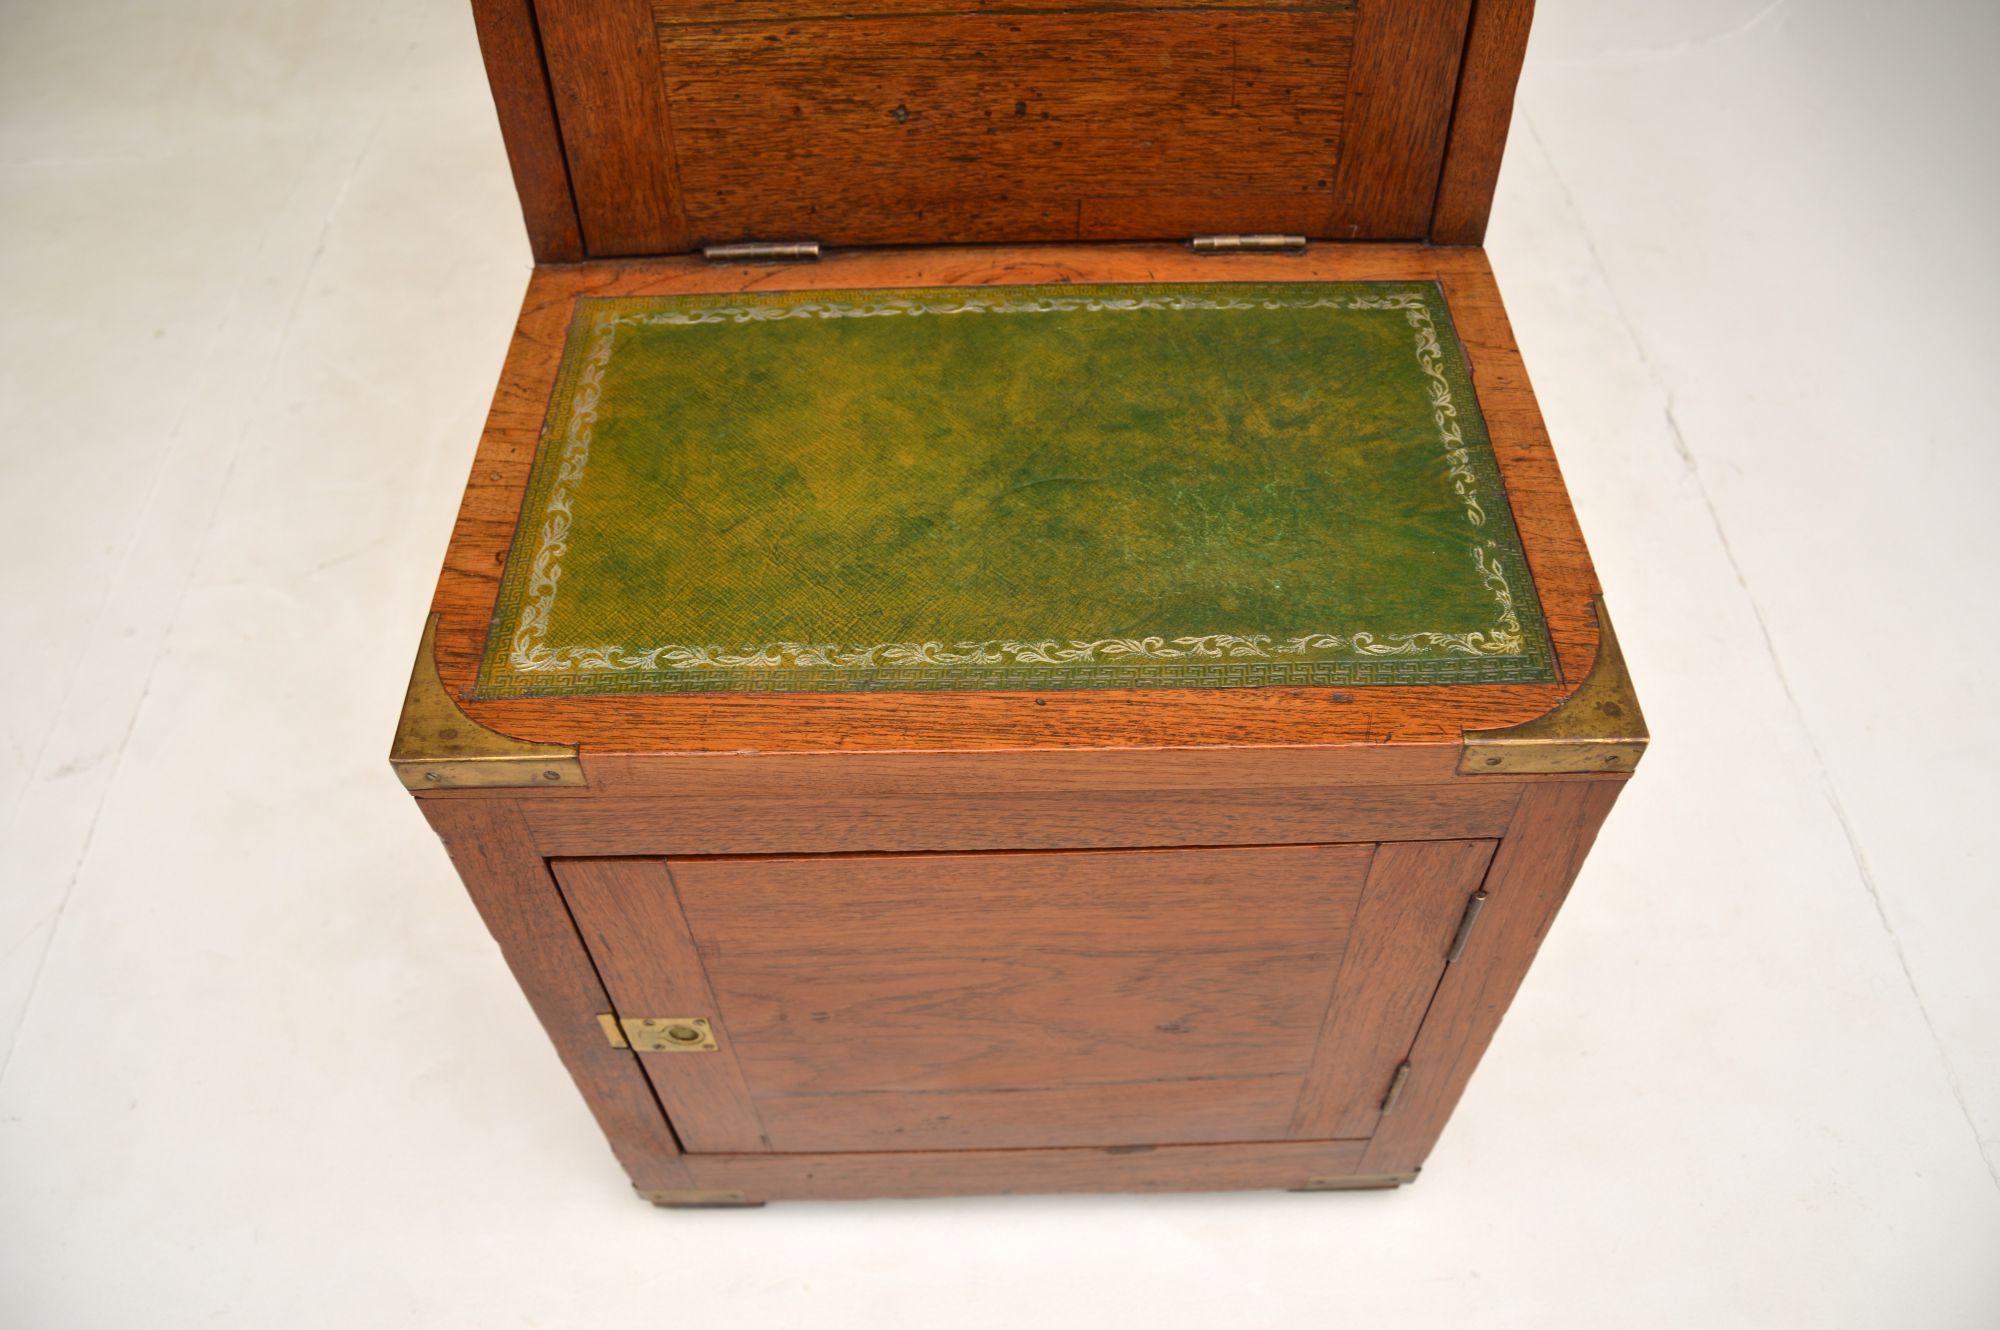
659,1034
1395,1088
1241,244
1473,906
763,251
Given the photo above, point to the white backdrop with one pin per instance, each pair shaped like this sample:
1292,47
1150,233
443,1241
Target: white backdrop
263,1068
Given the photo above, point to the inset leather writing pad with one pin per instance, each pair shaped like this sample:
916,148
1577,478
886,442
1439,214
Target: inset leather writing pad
1028,487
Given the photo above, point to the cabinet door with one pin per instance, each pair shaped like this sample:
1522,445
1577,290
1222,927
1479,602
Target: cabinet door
687,122
1004,1000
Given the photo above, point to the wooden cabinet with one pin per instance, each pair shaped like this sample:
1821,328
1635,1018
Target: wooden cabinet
1110,998
1013,717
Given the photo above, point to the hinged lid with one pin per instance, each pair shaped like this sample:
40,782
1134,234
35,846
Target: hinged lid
711,515
664,126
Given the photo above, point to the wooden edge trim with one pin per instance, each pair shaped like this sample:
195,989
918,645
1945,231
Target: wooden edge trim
747,1179
1496,43
438,747
736,1200
511,46
1596,730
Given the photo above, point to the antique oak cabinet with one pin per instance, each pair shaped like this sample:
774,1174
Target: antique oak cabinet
1014,626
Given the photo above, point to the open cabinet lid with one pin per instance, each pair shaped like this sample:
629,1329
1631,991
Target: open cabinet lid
661,126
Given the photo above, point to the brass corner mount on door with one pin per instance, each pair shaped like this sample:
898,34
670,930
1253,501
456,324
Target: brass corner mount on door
1598,728
439,747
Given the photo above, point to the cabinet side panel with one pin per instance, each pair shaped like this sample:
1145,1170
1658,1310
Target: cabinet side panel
604,65
1532,871
1495,46
1404,76
513,55
511,886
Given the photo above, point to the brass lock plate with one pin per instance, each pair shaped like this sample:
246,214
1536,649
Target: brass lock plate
669,1034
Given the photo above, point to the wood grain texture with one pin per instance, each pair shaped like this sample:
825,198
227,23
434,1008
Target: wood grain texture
671,13
630,917
991,1001
1495,45
1414,897
1405,72
936,972
512,49
1212,1110
777,820
523,909
1398,718
1531,874
905,128
1219,771
1234,1167
602,64
906,123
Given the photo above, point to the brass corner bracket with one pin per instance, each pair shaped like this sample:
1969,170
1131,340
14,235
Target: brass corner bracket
439,747
698,1200
1598,728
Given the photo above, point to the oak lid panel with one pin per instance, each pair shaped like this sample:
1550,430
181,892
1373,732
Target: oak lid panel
687,122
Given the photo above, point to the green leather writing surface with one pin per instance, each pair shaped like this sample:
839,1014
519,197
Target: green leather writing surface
1015,488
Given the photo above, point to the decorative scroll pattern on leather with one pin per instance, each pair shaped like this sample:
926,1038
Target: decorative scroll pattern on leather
1015,488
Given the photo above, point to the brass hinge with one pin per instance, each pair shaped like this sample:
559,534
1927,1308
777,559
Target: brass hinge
1465,922
1599,727
658,1034
439,747
1240,244
1395,1088
763,251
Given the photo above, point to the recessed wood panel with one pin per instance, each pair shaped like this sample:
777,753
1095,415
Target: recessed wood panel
1014,1000
995,126
925,1011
